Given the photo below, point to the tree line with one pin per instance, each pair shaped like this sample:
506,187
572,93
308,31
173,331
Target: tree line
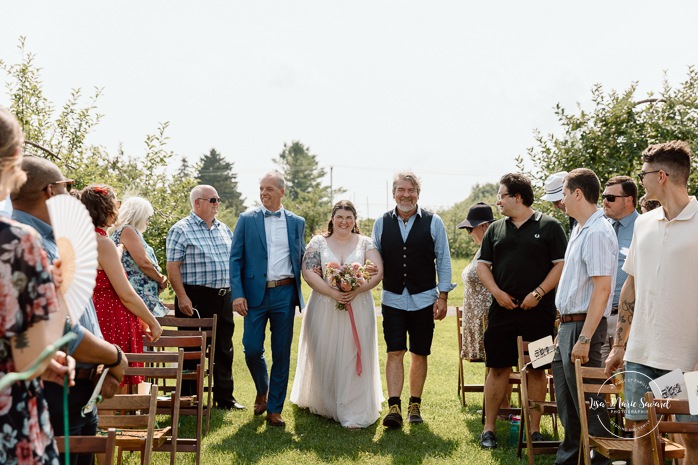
608,139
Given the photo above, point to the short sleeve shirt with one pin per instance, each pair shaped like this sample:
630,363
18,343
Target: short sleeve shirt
521,258
204,252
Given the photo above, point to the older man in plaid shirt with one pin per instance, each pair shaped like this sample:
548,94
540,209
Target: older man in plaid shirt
198,252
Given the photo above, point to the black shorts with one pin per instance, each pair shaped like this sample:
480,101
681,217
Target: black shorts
504,327
419,324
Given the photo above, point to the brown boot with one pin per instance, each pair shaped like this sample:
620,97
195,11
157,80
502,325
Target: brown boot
260,404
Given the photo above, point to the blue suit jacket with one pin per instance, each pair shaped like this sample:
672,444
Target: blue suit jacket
249,257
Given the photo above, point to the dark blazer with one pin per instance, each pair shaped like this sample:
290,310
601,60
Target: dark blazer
249,257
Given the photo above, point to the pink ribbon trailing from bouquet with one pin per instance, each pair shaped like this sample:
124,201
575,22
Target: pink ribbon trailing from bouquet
359,367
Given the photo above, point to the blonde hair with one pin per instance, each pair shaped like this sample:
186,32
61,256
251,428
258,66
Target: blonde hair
135,212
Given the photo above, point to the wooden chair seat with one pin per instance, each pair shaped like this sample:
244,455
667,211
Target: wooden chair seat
613,448
133,439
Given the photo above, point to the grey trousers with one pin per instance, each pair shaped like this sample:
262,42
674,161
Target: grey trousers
566,391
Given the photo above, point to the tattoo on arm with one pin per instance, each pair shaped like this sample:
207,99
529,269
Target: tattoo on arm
312,259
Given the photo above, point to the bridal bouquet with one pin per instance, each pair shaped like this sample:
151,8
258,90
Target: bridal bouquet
346,277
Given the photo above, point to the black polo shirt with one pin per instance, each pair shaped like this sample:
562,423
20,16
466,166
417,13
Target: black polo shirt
521,258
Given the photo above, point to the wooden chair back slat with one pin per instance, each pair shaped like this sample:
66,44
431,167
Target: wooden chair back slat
91,445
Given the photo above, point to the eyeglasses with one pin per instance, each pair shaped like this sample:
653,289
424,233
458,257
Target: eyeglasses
612,198
642,174
212,199
501,196
68,184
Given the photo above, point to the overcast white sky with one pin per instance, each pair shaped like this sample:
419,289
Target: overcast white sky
450,89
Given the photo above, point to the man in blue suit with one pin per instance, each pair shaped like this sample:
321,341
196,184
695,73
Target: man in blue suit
265,267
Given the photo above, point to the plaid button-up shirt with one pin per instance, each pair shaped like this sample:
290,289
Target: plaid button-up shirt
204,252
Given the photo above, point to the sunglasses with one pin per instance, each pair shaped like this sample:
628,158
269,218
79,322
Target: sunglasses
212,199
68,184
612,198
642,174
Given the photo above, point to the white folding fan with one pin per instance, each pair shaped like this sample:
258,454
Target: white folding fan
77,248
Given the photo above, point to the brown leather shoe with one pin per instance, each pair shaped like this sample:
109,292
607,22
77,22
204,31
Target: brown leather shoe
260,404
274,419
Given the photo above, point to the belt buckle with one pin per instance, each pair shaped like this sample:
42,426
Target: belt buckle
271,284
222,291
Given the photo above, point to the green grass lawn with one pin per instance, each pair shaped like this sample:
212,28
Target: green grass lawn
449,435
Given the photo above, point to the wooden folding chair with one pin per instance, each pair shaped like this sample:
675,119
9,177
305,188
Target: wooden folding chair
462,387
546,407
188,405
662,417
192,327
163,366
594,381
91,445
133,415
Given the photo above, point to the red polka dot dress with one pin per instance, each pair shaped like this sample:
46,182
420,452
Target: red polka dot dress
119,326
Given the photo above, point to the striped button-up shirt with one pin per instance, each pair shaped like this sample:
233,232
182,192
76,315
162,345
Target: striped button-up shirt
591,251
204,252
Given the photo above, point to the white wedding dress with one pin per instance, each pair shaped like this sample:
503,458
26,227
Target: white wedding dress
326,381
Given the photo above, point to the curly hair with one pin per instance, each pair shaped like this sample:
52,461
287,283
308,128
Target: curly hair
517,183
342,205
99,200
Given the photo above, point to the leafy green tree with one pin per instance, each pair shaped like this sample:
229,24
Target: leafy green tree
460,244
305,192
610,137
61,136
216,171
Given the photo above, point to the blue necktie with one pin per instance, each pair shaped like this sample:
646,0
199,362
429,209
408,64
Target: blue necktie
267,214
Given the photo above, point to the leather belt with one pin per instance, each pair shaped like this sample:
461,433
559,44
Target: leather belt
280,282
216,290
573,317
84,373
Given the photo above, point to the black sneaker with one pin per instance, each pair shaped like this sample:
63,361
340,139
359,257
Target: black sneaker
413,414
394,417
488,440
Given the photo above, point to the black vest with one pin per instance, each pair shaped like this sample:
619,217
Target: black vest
408,264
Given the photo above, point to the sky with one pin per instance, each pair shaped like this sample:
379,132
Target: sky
452,90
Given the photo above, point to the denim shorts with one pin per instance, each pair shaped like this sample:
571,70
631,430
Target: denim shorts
637,379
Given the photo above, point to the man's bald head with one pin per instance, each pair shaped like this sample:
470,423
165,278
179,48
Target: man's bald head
40,173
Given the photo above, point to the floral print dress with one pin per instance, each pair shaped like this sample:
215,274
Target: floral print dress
142,284
476,301
27,296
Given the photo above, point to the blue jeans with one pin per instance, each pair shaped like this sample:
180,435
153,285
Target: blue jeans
637,379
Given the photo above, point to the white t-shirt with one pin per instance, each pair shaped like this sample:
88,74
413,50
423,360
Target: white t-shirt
663,257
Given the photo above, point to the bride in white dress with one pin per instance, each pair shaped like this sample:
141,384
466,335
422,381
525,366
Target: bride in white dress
326,380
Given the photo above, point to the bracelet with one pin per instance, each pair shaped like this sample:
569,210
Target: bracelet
619,345
536,295
119,355
541,289
443,298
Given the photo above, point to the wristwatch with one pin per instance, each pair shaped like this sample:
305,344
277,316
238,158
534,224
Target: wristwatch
583,339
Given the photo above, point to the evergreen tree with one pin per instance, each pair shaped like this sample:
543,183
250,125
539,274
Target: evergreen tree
301,169
305,193
216,171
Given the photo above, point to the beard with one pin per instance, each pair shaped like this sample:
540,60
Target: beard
405,208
